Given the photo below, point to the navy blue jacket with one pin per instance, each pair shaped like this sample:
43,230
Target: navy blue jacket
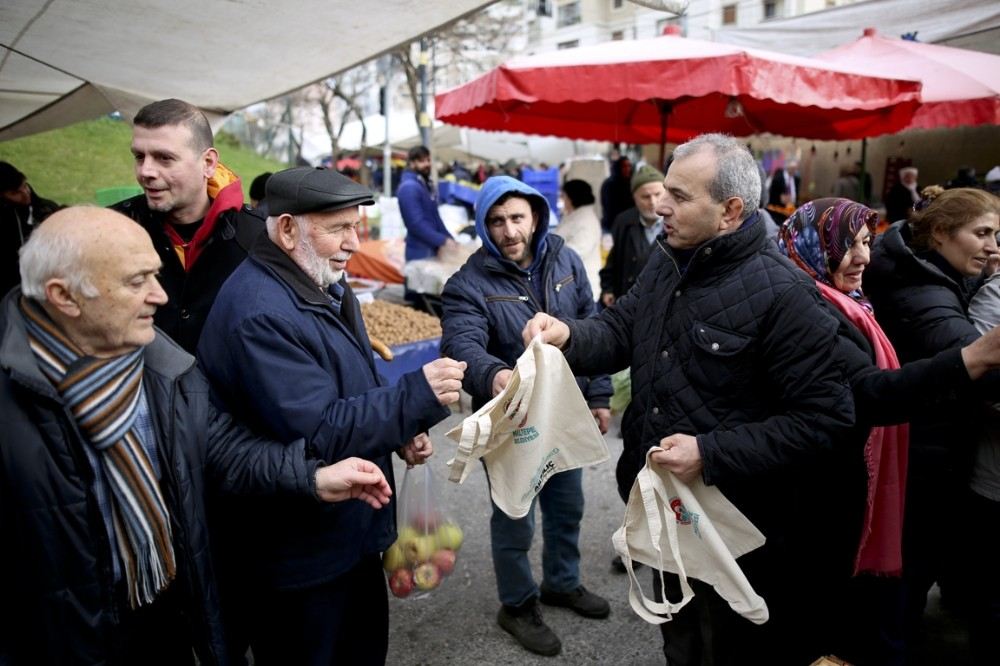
286,364
425,231
489,300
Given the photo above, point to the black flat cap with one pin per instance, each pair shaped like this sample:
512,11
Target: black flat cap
308,190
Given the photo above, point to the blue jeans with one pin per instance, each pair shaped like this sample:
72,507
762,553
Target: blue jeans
561,501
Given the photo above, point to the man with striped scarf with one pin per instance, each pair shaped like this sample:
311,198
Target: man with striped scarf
108,444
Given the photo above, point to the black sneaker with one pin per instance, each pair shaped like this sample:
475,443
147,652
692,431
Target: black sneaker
581,601
526,625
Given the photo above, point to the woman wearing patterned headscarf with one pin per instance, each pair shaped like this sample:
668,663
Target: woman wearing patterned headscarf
829,239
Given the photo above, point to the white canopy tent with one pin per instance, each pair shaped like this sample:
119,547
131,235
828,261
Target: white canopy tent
62,61
450,142
970,24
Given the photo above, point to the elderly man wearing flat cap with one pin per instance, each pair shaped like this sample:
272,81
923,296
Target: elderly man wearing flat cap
286,350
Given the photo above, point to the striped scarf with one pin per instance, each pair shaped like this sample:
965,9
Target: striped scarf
103,396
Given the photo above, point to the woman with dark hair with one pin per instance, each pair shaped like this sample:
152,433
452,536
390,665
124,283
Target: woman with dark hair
922,275
581,229
829,239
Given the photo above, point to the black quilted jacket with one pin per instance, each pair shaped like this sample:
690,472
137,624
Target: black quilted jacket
737,351
56,605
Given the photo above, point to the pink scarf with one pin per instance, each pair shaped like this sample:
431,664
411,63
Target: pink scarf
880,547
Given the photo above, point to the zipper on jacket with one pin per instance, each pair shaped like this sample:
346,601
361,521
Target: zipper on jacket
562,283
507,299
531,295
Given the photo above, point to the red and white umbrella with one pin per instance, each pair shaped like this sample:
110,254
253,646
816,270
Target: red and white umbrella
670,87
960,87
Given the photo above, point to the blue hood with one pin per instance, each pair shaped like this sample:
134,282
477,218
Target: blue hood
493,189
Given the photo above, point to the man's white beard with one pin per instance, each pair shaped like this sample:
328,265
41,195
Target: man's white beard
315,266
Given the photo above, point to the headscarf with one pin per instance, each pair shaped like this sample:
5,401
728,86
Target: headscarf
816,237
818,234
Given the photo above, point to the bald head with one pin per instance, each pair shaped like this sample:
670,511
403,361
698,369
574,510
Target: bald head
69,244
94,272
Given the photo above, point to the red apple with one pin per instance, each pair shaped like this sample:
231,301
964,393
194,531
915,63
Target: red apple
426,576
401,582
444,560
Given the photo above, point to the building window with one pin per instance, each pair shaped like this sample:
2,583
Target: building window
772,9
569,14
617,4
729,15
617,35
571,44
545,7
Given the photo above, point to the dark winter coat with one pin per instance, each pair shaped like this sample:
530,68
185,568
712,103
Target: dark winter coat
898,202
192,293
628,254
489,300
14,232
281,360
425,231
736,350
922,307
55,565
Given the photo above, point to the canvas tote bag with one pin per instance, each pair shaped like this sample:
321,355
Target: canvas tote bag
539,425
689,530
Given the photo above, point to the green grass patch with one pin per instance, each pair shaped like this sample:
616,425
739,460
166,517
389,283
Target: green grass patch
70,164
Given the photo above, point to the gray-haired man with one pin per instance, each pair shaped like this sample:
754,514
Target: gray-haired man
732,376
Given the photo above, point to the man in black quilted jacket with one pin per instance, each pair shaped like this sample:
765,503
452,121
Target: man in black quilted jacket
733,378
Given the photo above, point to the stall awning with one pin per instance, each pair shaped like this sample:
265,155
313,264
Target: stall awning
67,60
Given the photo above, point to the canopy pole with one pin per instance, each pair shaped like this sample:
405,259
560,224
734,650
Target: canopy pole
425,121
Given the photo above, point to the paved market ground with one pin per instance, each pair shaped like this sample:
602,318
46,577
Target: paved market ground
456,623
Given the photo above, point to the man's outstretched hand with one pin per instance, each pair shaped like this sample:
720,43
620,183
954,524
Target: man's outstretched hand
353,478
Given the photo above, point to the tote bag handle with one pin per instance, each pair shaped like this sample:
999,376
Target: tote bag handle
652,493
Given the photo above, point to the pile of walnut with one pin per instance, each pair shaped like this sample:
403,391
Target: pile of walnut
398,324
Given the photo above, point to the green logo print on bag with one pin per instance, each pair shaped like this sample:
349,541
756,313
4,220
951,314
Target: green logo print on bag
525,435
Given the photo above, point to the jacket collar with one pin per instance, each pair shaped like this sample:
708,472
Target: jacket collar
726,249
269,255
894,245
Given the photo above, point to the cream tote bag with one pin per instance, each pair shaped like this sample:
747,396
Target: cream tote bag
538,426
689,530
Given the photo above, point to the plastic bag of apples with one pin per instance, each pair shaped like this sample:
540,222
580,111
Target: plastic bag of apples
428,541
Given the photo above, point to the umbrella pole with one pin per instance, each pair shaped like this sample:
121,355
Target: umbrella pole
861,175
664,108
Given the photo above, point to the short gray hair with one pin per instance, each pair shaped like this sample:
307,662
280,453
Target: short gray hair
46,256
272,224
737,174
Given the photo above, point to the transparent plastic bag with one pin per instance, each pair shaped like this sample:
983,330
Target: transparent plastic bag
427,546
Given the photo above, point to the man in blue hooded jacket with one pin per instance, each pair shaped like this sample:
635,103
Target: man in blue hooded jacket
521,271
